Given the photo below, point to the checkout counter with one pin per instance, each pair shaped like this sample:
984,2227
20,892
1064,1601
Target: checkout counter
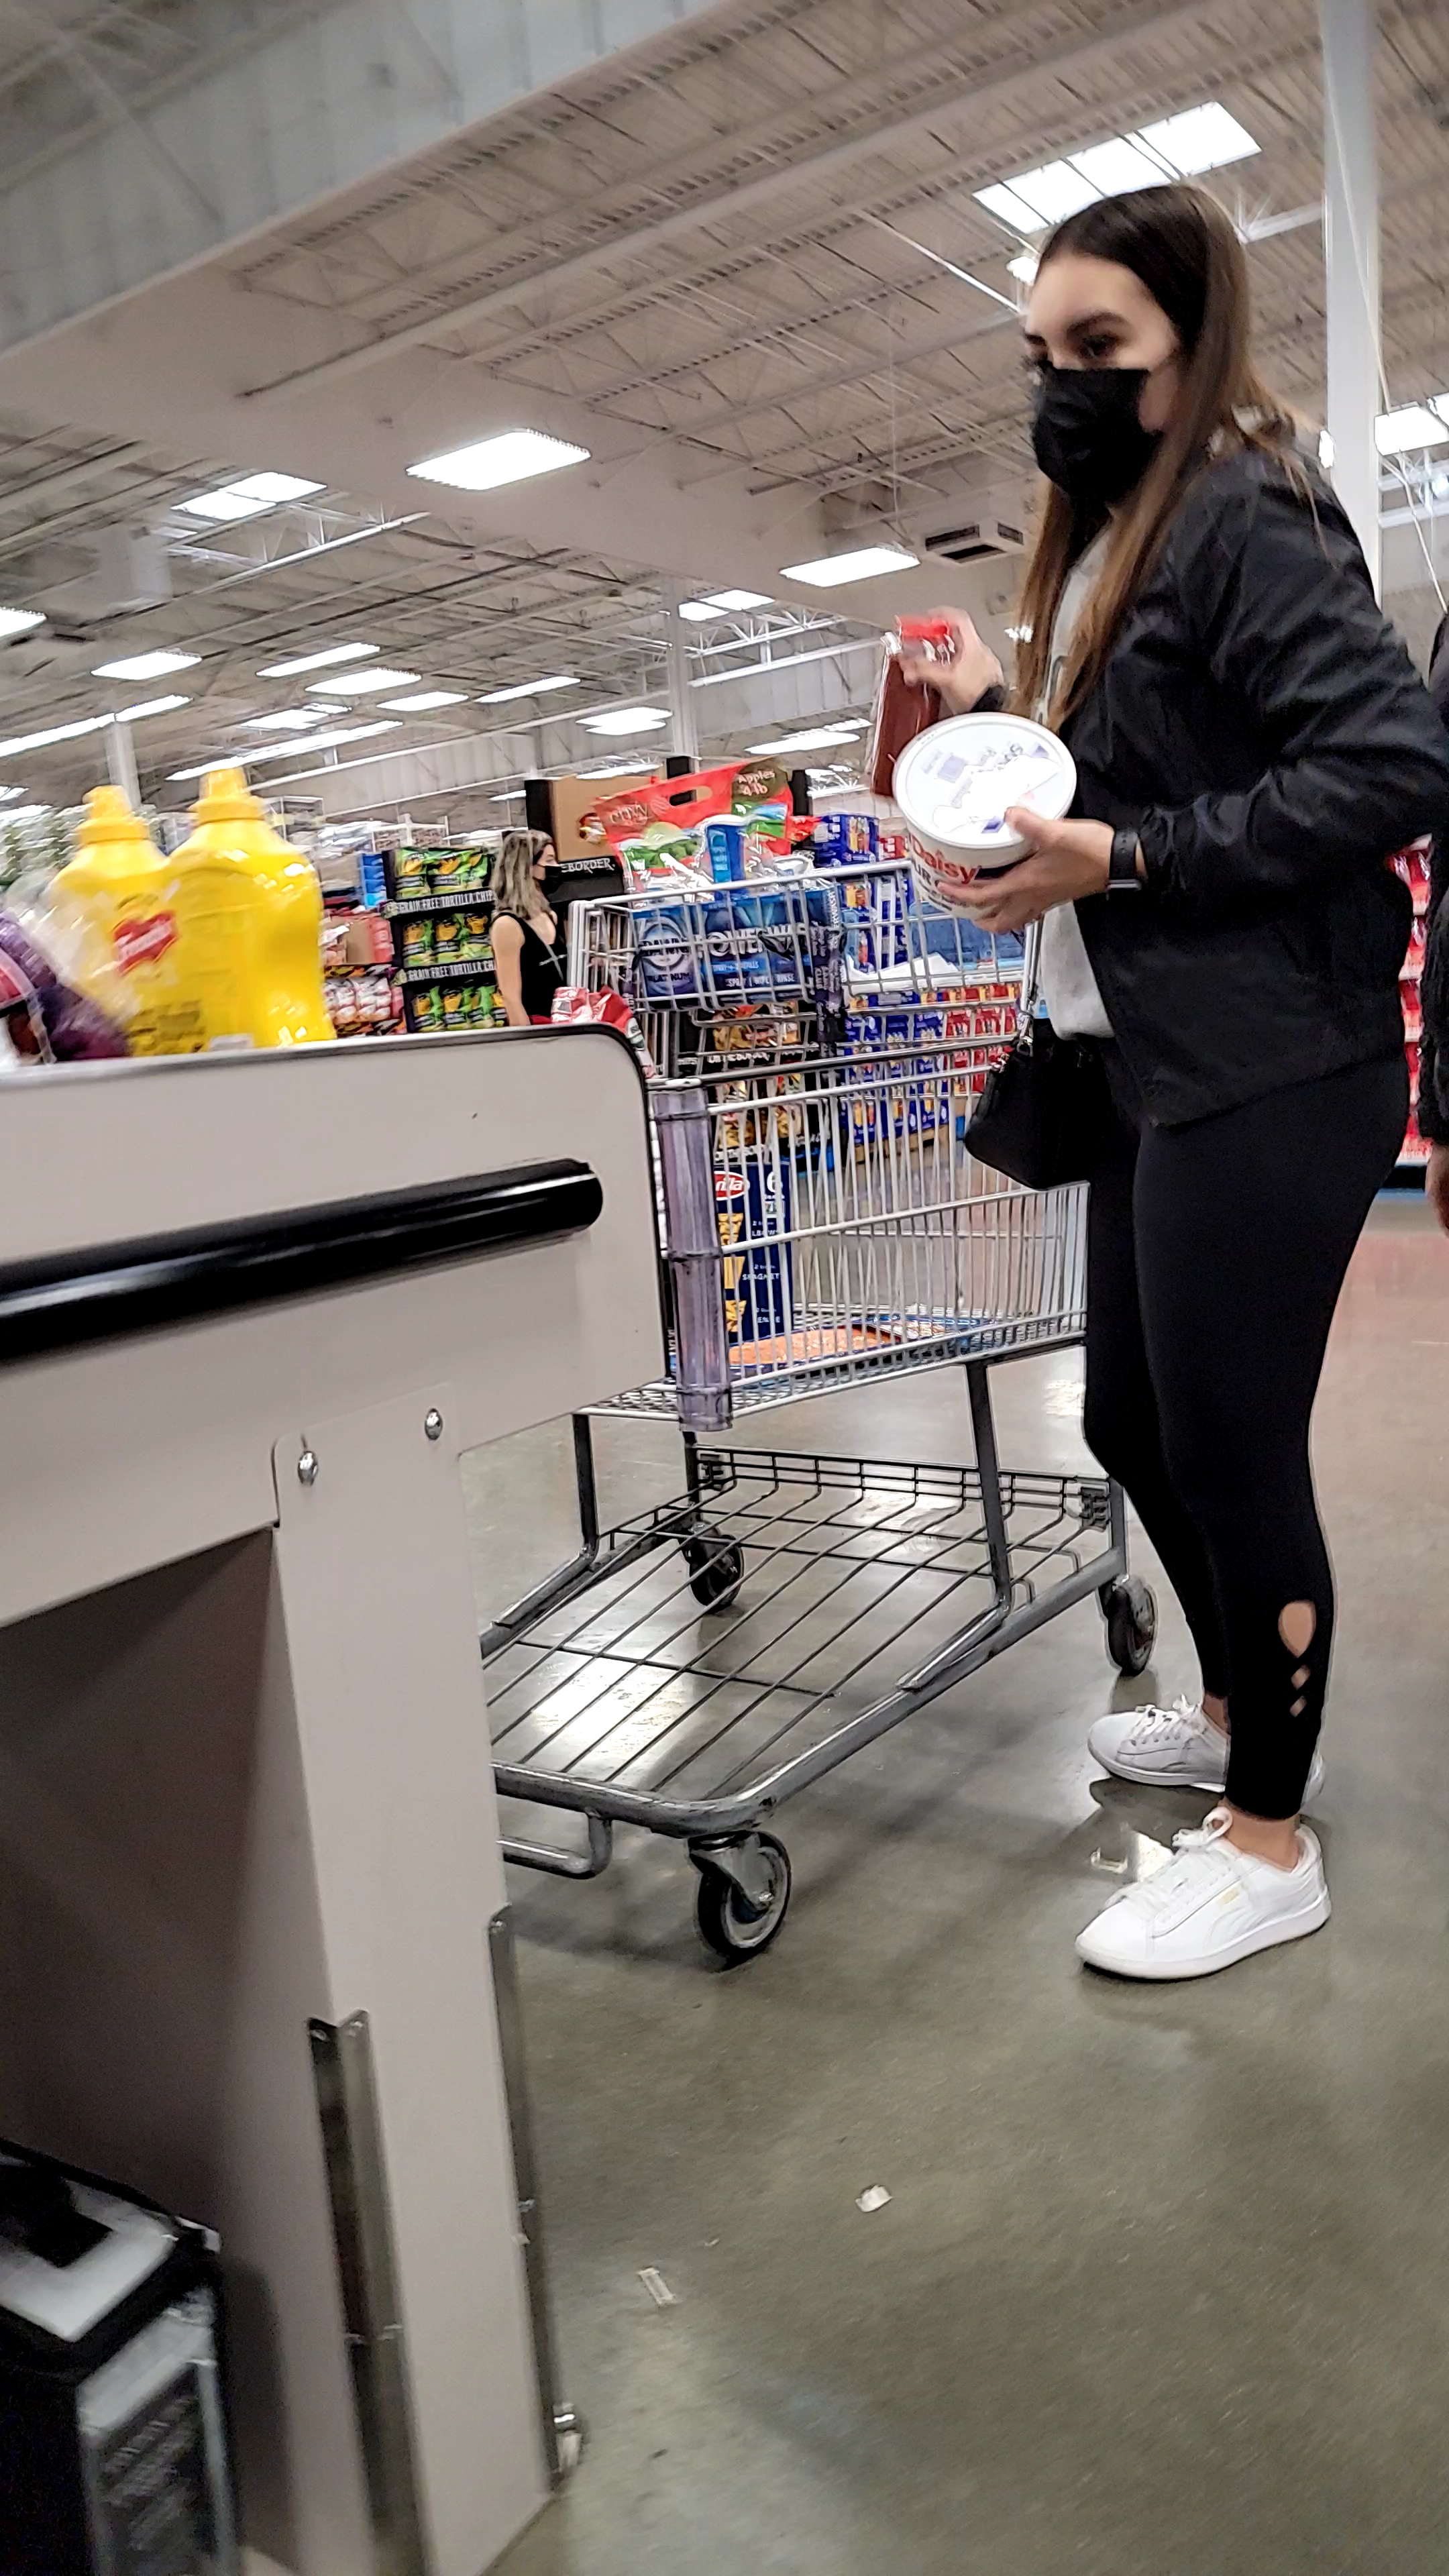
254,1952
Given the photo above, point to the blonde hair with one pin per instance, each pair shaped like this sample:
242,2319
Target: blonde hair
1183,248
513,885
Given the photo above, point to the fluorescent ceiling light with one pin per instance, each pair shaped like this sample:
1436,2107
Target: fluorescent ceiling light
88,724
1055,191
317,661
423,698
318,741
1178,147
254,751
722,603
53,733
9,794
512,457
144,666
815,738
642,768
224,508
783,662
1025,266
1112,168
627,720
361,684
863,563
248,496
1202,138
1415,425
275,488
511,796
18,621
286,717
25,813
1011,209
528,689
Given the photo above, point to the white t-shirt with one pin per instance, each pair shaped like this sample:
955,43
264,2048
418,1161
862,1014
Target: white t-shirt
1069,988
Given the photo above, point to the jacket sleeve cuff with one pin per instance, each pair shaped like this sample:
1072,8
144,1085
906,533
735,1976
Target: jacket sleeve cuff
1154,839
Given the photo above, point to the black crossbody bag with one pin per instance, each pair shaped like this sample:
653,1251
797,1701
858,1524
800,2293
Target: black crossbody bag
1034,1118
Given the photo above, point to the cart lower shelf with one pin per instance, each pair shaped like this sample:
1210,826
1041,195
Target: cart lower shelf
701,1663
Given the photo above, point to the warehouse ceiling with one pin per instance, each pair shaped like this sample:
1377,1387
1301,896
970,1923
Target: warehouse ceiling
741,262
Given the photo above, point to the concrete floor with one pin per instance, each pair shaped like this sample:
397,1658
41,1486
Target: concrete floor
1162,2286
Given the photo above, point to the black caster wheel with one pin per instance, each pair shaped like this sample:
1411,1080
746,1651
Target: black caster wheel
732,1922
1131,1614
716,1569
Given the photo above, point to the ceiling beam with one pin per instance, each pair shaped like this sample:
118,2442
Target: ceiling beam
727,204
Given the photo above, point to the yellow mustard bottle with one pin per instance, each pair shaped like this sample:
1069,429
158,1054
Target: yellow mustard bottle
249,914
113,903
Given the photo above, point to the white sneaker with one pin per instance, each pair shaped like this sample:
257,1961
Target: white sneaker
1210,1906
1173,1748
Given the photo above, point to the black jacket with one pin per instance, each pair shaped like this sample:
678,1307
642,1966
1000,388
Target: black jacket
1434,989
1261,727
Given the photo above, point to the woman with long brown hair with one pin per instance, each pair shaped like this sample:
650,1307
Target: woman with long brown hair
528,943
1221,933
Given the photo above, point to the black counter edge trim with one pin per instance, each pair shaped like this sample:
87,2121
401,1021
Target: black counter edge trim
109,1291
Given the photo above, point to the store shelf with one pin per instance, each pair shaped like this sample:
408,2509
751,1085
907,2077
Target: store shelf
474,899
469,970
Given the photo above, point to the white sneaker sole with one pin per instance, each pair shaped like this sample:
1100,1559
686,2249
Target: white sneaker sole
1264,1936
1143,1776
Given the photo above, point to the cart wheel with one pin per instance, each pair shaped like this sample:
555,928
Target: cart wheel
733,1925
1131,1623
716,1568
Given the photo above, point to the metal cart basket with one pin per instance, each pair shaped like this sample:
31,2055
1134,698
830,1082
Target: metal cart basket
821,1223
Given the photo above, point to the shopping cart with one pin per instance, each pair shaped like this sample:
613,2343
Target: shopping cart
821,1224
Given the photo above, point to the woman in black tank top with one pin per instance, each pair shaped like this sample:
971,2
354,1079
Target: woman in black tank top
528,946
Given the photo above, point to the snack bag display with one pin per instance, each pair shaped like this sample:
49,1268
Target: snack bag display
413,874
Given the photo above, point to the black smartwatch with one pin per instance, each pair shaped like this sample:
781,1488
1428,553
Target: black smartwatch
1122,876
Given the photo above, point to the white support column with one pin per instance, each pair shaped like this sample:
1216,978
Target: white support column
1351,260
121,762
684,731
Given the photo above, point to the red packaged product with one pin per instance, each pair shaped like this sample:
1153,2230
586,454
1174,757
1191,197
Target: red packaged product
903,709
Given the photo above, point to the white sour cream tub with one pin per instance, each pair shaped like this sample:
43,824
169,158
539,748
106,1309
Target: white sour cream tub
953,785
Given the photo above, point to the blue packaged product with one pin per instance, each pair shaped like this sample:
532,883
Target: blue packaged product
891,906
734,946
725,846
753,1207
783,931
666,954
839,838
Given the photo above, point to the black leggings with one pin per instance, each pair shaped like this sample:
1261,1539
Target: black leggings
1215,1254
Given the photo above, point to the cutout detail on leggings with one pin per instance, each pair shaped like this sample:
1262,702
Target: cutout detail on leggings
1296,1626
1298,1708
1302,1677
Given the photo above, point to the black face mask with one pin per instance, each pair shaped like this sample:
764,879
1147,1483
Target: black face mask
1086,433
550,881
